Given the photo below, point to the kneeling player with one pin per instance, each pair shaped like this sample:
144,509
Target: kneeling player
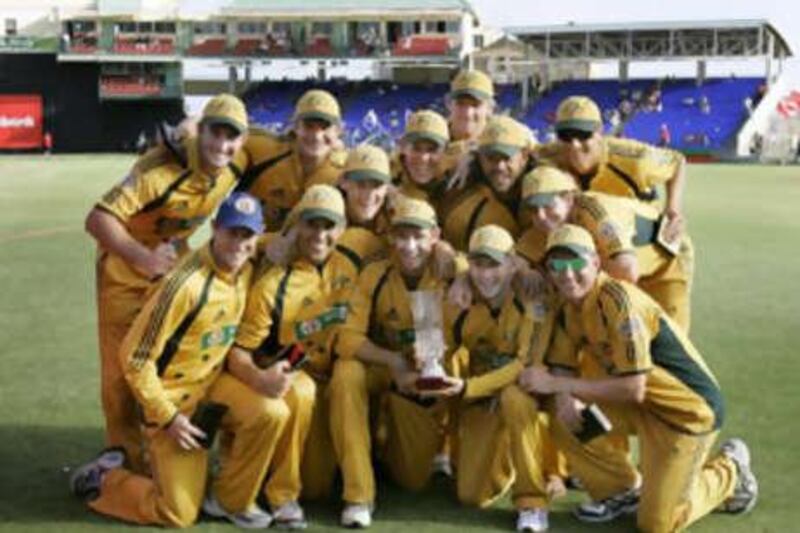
172,358
655,386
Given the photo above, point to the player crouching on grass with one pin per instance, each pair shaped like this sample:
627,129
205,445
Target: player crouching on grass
656,386
500,441
173,358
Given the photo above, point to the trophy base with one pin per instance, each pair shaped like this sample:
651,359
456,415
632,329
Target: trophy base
431,383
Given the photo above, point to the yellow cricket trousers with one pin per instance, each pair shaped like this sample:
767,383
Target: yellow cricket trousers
117,307
680,483
173,494
414,433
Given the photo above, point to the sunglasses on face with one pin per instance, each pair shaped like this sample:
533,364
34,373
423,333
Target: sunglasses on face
562,265
570,135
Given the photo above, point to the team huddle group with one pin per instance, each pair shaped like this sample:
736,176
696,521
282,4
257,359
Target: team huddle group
475,303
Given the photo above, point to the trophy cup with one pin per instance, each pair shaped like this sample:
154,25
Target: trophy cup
429,345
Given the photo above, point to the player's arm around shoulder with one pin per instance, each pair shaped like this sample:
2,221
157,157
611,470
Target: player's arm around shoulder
353,333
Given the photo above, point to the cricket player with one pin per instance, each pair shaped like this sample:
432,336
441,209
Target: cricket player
375,358
655,385
620,167
470,103
492,194
500,430
623,229
419,164
141,227
281,168
173,357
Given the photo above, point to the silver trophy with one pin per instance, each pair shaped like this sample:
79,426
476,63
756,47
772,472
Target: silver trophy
429,345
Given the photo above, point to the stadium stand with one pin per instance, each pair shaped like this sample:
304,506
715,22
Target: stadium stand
213,46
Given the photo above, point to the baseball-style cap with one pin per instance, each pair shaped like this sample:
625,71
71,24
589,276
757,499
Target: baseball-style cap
413,212
504,135
367,162
472,83
542,184
578,113
322,201
241,210
228,110
573,238
318,104
428,126
491,241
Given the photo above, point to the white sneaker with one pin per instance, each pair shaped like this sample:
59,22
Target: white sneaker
745,494
252,518
86,480
357,515
442,465
532,520
289,516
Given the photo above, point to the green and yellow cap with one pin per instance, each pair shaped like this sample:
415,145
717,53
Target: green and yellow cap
322,201
228,110
367,162
472,83
578,113
491,241
413,212
573,238
504,135
320,105
429,126
542,184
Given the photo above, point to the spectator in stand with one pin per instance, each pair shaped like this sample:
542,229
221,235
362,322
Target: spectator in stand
47,142
705,105
664,135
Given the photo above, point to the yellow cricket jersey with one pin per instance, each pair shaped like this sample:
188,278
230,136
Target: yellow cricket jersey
490,347
176,346
301,304
275,175
472,208
164,198
628,168
618,225
628,333
380,310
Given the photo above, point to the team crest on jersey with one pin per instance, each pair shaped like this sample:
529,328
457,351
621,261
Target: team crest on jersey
393,315
220,337
307,301
340,282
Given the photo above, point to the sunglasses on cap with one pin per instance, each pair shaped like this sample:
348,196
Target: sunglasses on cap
562,265
569,135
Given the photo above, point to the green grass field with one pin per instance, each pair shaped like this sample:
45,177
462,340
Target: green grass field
746,322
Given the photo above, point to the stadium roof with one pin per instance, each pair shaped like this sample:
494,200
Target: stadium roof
339,7
680,38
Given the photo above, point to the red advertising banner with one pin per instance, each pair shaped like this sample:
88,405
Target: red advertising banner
20,121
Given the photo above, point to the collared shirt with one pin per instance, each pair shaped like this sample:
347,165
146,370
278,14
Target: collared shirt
628,333
275,174
300,304
489,348
628,168
177,344
380,310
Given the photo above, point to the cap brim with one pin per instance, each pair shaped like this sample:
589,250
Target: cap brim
318,115
226,121
367,175
508,150
414,136
589,126
541,199
254,224
474,93
327,214
412,221
484,251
